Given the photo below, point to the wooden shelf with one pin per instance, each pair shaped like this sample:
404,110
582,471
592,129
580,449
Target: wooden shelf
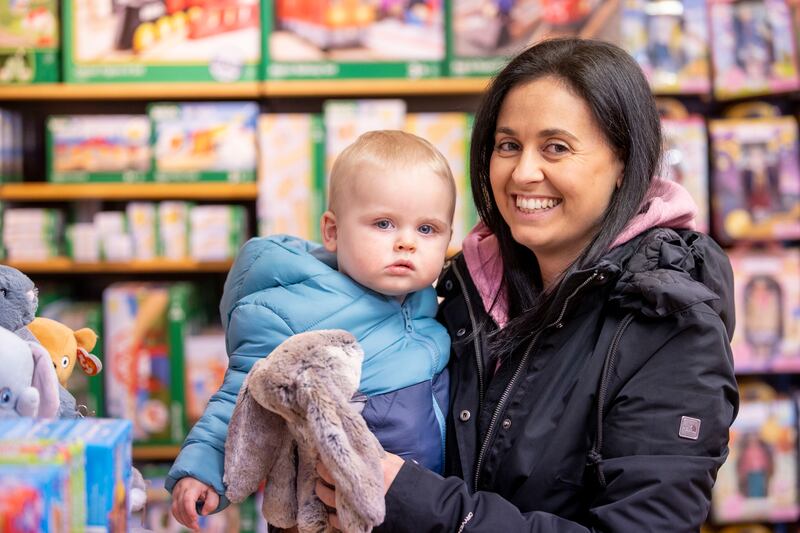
245,90
54,192
164,452
64,265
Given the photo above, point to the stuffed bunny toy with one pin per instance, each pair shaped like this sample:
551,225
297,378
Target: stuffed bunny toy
293,410
28,383
18,301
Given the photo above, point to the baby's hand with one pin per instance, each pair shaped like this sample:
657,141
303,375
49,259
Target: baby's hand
186,495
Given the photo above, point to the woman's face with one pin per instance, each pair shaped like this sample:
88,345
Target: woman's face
552,170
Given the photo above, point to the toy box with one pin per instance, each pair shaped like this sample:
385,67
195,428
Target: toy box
11,135
206,361
98,148
161,40
22,508
217,232
173,229
142,221
319,39
145,326
686,160
759,479
32,233
291,174
752,47
29,41
204,141
767,290
450,134
756,179
669,40
483,34
107,445
33,499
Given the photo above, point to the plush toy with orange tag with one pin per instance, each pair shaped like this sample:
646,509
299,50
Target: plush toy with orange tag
67,347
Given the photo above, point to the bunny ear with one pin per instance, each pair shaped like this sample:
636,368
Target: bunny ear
254,438
89,362
45,381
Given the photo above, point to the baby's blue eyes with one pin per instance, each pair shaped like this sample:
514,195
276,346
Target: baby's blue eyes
383,224
426,229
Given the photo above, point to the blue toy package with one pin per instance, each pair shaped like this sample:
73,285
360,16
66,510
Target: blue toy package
108,447
50,483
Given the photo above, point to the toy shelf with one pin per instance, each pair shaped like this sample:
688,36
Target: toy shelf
65,265
145,452
54,192
245,90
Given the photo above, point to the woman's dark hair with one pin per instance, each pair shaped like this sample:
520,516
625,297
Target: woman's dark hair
616,91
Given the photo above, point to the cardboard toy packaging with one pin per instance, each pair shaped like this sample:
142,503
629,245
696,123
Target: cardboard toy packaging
32,233
758,481
11,153
291,174
321,39
161,40
686,160
752,47
98,148
217,231
482,35
450,134
767,291
145,327
33,499
29,41
206,363
209,141
755,179
669,40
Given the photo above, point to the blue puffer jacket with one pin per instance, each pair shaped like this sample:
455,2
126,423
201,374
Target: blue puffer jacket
282,285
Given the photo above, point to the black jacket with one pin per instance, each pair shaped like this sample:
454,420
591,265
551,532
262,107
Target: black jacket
642,346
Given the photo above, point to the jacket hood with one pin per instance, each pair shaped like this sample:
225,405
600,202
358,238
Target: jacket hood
668,205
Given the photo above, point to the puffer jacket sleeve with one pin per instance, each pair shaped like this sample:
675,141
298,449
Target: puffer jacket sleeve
253,332
655,480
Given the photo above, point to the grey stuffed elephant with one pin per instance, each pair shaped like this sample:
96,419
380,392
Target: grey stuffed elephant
292,411
28,382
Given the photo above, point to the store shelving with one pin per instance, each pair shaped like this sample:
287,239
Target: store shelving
166,452
54,192
64,265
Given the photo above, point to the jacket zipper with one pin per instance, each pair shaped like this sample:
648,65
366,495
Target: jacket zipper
475,340
523,362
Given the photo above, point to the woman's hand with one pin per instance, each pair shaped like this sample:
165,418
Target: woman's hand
326,486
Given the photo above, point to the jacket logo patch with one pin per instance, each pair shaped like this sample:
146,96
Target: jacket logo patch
690,428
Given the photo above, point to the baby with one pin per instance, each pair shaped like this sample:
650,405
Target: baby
385,236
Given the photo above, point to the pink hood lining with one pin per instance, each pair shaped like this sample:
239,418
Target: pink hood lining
668,205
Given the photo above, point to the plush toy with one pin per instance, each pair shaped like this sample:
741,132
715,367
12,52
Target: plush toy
18,301
292,411
28,383
66,347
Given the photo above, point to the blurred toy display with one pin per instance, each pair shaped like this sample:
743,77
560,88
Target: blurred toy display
11,140
29,41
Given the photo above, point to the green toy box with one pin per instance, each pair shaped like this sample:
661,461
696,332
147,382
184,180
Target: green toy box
161,40
29,41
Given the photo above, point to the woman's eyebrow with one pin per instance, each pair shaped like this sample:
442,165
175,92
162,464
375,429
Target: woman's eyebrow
549,132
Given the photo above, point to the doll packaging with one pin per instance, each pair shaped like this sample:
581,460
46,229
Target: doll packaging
752,48
767,291
29,41
669,40
161,40
291,174
756,179
482,35
323,39
758,481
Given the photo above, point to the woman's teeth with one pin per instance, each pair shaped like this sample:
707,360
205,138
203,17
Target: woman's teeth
531,204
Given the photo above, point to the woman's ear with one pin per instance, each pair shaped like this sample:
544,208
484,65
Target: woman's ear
328,230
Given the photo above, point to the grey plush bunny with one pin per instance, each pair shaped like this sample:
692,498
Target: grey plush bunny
292,411
18,301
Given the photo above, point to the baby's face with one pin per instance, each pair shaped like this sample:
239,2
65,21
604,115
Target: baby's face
393,228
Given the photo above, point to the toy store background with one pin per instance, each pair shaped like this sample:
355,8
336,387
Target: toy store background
141,143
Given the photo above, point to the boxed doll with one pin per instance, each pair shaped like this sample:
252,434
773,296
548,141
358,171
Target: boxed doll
29,41
161,40
209,141
145,326
756,179
450,134
291,174
98,148
319,39
686,160
752,47
482,35
669,40
758,481
767,292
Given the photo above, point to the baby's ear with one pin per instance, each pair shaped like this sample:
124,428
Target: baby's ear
328,230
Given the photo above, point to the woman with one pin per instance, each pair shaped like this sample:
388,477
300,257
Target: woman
592,382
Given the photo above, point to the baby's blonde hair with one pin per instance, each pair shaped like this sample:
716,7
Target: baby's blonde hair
385,148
